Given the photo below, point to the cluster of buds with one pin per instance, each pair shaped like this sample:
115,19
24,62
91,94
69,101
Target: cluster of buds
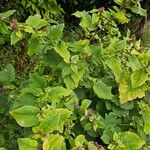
101,9
14,25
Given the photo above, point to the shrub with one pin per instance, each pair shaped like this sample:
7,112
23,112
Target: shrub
91,93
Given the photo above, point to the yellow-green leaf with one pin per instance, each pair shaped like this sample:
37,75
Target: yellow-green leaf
62,50
56,142
138,78
102,90
146,118
127,93
26,116
15,37
115,65
27,144
120,17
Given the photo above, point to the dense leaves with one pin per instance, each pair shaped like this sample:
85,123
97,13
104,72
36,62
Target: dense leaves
86,93
26,116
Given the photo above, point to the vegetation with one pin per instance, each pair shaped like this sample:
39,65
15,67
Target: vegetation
82,84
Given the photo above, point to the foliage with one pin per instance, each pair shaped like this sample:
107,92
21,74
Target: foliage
49,8
91,93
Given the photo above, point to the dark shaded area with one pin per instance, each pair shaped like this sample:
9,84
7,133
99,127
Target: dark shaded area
70,7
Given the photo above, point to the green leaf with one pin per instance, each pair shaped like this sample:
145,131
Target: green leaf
50,123
77,75
34,46
51,58
70,104
92,146
62,50
38,81
138,78
120,17
2,41
86,20
95,18
15,37
139,10
2,148
55,32
56,142
27,144
55,94
119,2
130,140
127,93
146,118
28,29
134,63
110,127
25,99
55,119
4,29
69,82
7,74
118,45
32,89
4,103
75,58
42,24
26,116
34,21
80,140
115,65
102,90
7,14
85,104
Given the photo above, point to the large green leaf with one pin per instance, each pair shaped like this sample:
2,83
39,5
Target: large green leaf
80,140
35,21
85,104
27,144
15,37
26,116
56,142
134,63
7,14
138,78
55,32
34,46
55,120
127,93
146,117
95,18
69,82
130,140
62,50
7,74
25,99
76,74
115,65
50,123
120,17
38,81
86,20
102,90
54,94
139,10
51,58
